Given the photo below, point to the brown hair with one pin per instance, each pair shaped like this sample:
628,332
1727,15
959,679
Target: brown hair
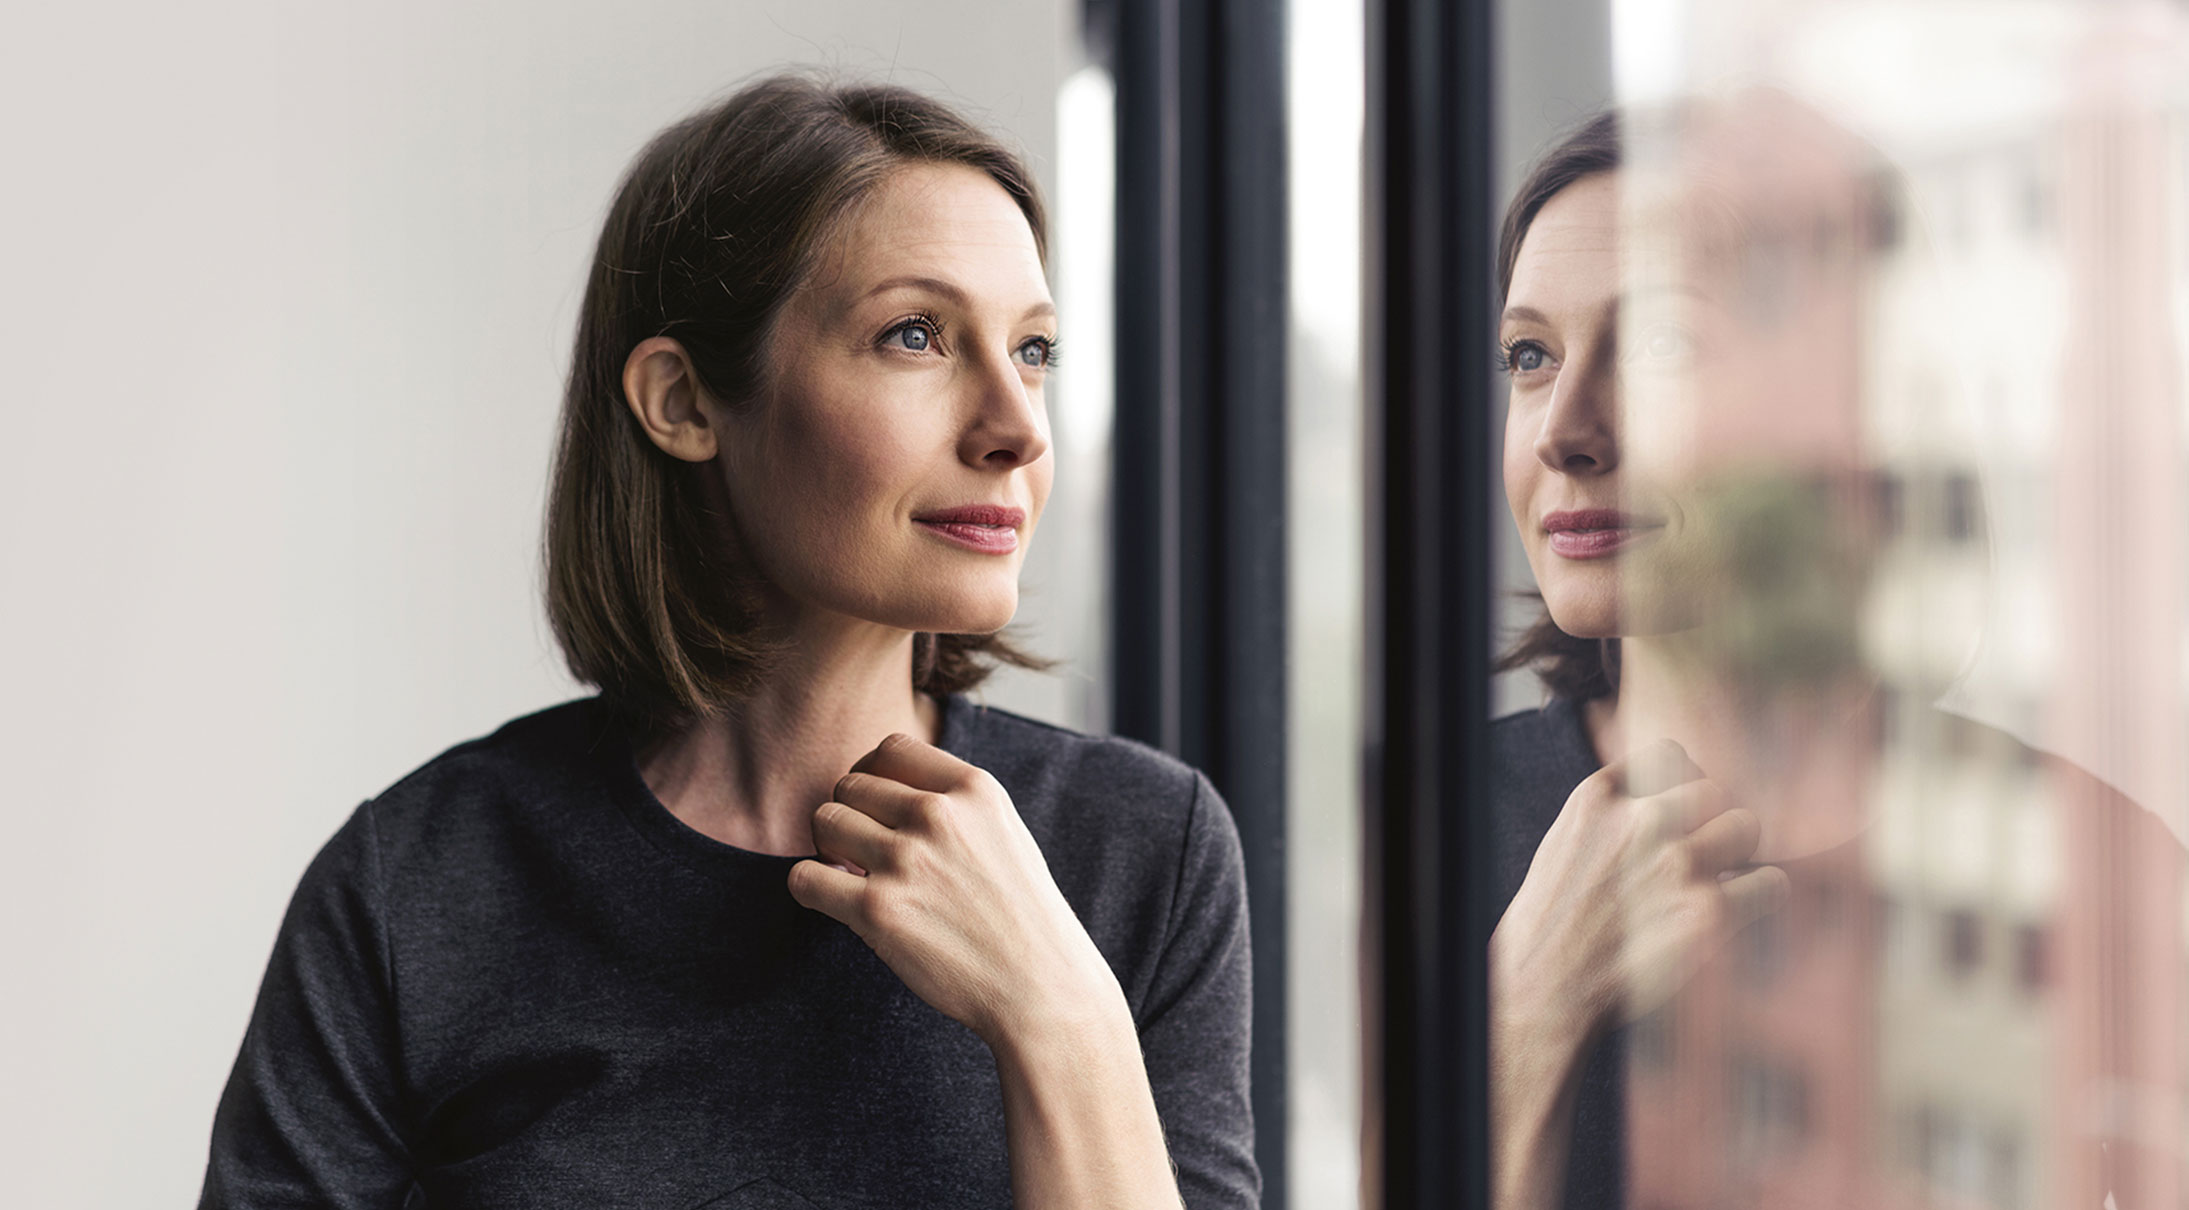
1575,669
716,224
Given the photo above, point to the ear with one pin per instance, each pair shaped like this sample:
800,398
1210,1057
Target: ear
664,394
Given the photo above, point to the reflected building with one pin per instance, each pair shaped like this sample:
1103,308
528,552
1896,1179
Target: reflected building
1959,1007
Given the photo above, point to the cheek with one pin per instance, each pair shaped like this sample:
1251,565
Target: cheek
1519,471
811,484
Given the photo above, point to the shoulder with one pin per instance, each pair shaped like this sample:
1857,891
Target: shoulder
526,766
2106,814
1133,836
1051,770
1540,750
1537,757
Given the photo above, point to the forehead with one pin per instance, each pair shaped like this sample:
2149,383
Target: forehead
947,221
1571,253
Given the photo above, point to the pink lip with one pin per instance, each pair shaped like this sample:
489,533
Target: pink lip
1593,533
985,528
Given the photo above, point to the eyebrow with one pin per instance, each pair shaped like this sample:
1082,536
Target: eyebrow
949,290
1527,314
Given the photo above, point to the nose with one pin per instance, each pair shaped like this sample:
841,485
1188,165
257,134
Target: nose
1008,427
1580,433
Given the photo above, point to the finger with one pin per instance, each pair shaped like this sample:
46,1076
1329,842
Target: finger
1682,809
1724,841
1653,768
919,765
886,799
832,892
847,834
1754,894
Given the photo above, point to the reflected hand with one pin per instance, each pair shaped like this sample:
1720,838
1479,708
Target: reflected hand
1625,898
951,892
1632,888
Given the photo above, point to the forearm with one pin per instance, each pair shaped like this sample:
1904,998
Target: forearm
1079,1118
1531,1127
1536,1044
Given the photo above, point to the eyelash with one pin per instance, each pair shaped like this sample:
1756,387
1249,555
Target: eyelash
934,326
1509,349
921,319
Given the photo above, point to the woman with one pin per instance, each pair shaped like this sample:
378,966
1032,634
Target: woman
1688,460
779,918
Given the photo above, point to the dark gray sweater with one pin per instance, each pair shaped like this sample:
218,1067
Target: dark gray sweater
1537,757
514,979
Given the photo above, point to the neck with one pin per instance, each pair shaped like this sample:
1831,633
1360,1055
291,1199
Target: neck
1799,753
753,777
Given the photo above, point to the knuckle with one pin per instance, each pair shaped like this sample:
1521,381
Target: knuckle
1744,825
883,915
1705,906
848,784
1672,863
931,808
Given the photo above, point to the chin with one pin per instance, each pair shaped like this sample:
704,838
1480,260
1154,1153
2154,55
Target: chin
957,609
1585,612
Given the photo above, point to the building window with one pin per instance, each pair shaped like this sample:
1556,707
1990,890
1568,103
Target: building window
2029,958
1964,943
1890,499
1771,1108
1961,506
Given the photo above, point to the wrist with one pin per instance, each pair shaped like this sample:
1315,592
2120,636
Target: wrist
1539,1007
1074,1016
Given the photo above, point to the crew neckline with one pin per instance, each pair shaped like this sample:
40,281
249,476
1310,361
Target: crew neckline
659,825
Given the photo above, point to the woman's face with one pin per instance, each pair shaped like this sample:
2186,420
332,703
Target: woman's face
1598,523
1684,405
896,468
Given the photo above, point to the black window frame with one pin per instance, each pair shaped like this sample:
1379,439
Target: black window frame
1197,569
1431,198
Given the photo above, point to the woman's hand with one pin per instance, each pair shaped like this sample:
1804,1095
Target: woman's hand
934,869
1628,893
1632,888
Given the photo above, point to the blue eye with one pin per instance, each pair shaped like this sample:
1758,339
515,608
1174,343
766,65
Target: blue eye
1522,357
1664,343
1040,353
911,336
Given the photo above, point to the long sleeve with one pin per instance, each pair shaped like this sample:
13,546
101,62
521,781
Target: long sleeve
1195,1022
310,1117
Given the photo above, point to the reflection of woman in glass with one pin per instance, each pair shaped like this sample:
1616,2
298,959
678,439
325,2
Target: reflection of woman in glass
587,960
1687,460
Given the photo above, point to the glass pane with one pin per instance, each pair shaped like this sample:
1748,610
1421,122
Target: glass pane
1845,443
1324,531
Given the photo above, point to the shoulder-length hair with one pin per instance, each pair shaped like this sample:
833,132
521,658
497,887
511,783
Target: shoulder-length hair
716,224
1574,669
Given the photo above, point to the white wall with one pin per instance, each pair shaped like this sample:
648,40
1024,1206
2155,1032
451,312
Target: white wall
285,310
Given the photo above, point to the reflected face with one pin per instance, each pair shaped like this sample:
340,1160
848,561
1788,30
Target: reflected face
1684,442
1614,548
899,463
